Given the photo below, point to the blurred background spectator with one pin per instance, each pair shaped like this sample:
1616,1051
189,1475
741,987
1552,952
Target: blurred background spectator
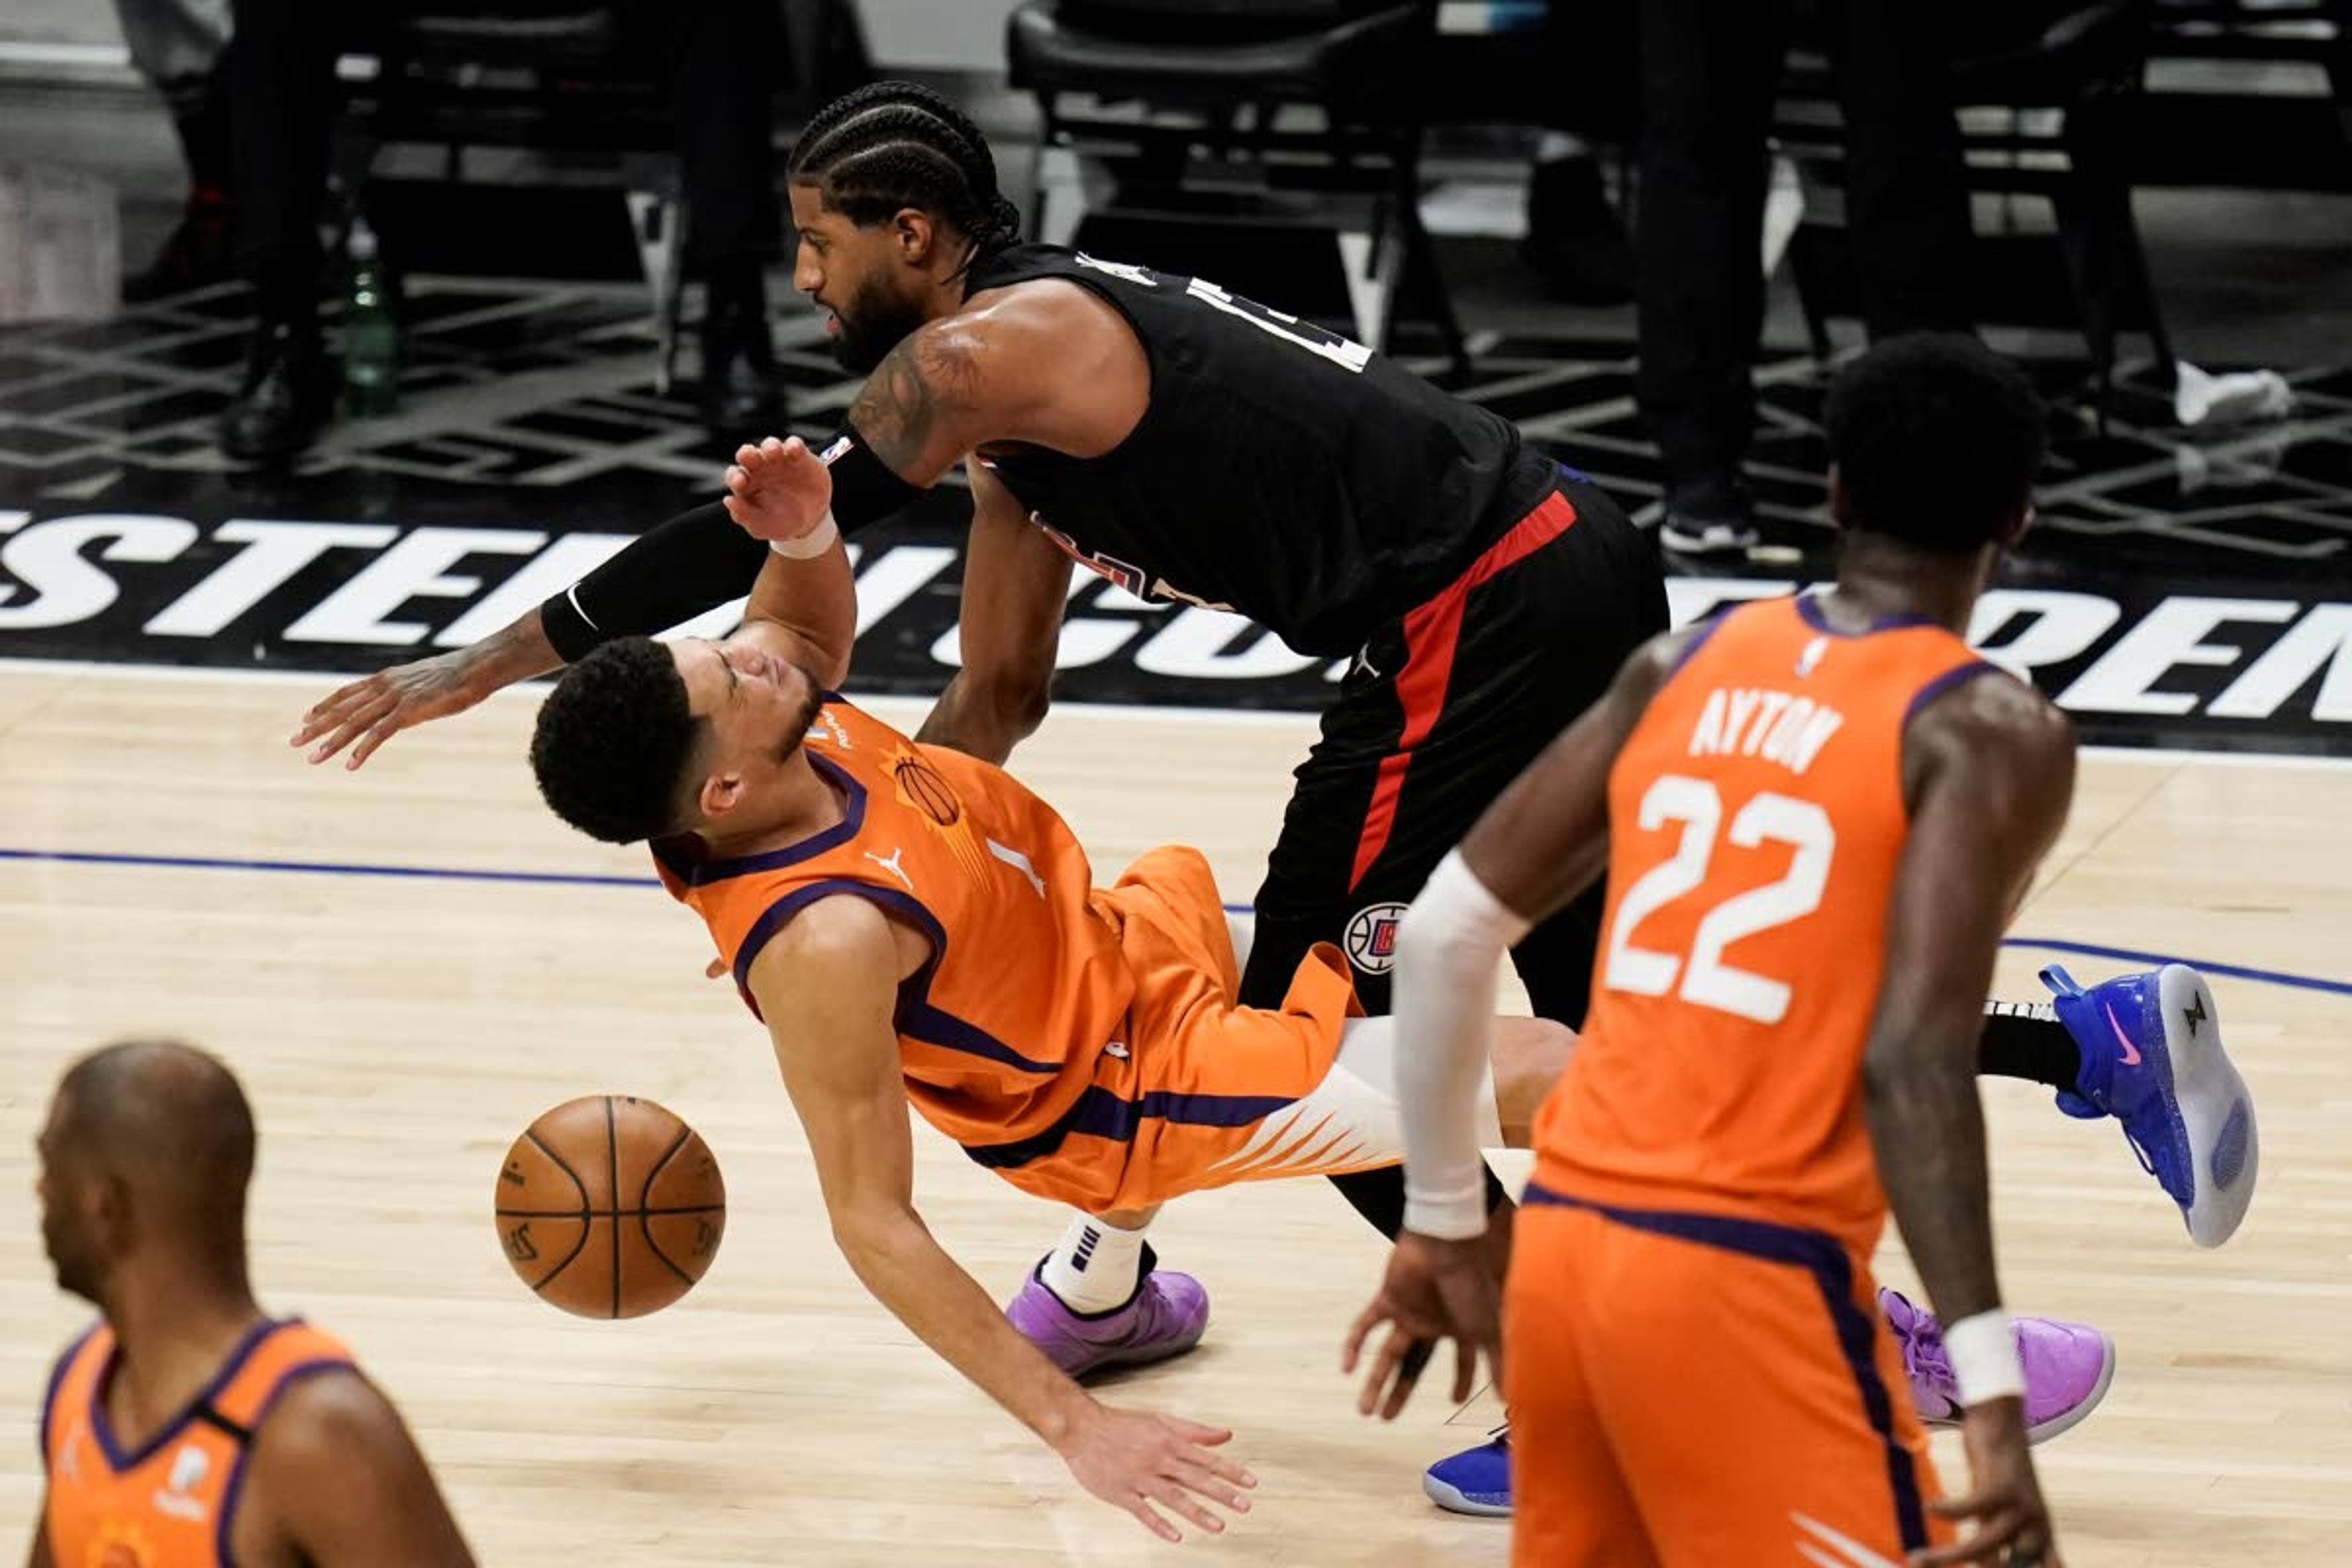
176,45
1758,175
721,59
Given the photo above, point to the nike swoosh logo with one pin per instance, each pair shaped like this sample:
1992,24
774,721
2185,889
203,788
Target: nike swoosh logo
2131,1052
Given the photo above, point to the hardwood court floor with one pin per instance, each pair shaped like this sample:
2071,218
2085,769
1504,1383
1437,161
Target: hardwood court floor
396,1032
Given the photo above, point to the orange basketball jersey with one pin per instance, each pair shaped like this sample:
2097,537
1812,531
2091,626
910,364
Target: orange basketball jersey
1028,986
1756,824
170,1502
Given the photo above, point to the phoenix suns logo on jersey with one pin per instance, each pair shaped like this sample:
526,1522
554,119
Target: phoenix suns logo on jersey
922,789
920,786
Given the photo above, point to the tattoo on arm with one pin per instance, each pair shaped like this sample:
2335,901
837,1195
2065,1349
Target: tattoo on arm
928,380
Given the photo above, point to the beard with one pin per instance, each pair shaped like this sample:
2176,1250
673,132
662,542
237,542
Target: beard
871,326
74,1273
805,715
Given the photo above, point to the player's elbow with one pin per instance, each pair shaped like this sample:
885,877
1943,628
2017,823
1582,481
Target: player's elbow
874,1236
1887,1073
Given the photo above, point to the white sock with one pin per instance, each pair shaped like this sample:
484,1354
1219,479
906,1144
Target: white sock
1095,1267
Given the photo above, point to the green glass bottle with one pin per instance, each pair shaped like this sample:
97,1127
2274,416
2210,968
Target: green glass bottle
370,334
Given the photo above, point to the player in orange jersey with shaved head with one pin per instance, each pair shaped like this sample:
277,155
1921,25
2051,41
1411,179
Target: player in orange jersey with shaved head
187,1428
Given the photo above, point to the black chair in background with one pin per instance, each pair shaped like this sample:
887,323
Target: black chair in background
1232,117
2223,107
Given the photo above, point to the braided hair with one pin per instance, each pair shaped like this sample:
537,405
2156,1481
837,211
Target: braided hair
894,145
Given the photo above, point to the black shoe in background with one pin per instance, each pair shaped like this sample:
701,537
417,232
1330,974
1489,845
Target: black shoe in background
194,256
1575,242
286,397
743,398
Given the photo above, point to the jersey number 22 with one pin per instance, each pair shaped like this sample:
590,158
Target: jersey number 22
1706,979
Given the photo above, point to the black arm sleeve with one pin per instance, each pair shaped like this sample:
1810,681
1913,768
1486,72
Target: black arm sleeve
694,561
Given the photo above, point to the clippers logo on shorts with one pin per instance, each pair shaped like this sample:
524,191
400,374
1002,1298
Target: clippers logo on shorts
840,443
1372,937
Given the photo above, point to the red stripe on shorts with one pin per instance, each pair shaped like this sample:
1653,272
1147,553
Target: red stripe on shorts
1432,632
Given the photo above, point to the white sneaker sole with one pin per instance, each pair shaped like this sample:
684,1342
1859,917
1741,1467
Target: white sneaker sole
1453,1501
2212,1096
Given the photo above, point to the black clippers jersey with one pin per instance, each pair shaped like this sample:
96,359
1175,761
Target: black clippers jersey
1279,470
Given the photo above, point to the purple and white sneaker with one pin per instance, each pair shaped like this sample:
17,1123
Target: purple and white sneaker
2152,1059
2067,1367
1164,1317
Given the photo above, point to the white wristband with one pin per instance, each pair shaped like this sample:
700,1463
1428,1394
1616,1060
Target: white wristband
1982,1350
809,545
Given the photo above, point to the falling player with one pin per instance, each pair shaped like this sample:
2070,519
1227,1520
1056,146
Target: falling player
1692,1255
913,925
187,1429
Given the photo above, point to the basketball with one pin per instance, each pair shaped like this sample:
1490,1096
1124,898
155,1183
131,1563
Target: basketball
610,1207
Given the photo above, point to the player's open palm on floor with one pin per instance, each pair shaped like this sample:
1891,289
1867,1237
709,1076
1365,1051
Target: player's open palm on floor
1135,1459
778,489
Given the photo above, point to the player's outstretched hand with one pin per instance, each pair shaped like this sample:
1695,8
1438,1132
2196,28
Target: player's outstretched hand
374,709
2012,1522
778,489
1434,1290
1135,1459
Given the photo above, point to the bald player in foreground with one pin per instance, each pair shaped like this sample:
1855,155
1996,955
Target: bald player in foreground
186,1428
1714,1168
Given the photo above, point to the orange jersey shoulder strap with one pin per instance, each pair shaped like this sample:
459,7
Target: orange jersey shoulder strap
1789,637
293,1352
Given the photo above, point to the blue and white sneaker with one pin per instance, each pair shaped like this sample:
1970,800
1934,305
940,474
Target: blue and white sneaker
2152,1059
1475,1480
